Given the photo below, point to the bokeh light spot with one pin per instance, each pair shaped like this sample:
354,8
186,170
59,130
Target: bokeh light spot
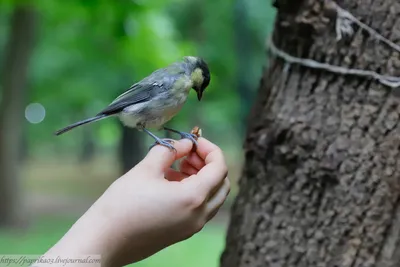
35,113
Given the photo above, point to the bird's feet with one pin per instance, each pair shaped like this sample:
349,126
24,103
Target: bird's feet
164,142
190,136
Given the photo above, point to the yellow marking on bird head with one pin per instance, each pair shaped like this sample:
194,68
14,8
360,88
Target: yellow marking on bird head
197,77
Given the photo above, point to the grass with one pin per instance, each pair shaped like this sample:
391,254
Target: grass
65,184
70,179
58,178
36,239
201,250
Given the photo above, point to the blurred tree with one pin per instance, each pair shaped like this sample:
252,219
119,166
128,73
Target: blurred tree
88,145
124,41
244,55
189,19
211,30
321,180
14,75
131,148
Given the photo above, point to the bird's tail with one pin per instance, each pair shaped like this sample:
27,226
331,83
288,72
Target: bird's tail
79,123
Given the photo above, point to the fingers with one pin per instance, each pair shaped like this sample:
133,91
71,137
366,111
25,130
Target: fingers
195,160
191,164
218,199
160,158
187,168
174,176
211,176
215,171
205,147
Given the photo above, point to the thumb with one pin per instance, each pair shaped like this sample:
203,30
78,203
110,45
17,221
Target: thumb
160,158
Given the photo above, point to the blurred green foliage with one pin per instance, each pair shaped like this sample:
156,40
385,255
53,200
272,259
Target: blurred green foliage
89,51
203,249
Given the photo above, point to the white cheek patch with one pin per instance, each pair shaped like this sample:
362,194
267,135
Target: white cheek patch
197,77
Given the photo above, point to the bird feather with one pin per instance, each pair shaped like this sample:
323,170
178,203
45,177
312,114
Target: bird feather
144,90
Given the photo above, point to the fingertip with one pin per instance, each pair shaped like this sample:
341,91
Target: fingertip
205,147
161,157
186,143
181,146
160,150
157,157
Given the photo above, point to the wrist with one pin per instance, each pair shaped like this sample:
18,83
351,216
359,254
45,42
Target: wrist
90,235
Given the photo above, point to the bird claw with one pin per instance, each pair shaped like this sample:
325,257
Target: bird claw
191,137
164,142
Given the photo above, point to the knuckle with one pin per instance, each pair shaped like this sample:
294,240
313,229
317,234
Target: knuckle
198,226
225,170
228,185
145,166
218,150
194,227
227,182
194,200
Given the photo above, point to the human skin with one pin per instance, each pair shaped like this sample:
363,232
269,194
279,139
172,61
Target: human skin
152,206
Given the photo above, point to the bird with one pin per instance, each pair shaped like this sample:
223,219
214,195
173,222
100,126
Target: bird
156,99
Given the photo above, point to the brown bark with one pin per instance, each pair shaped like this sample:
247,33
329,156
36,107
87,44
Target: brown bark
14,72
320,185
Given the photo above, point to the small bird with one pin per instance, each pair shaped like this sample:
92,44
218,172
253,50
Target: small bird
156,99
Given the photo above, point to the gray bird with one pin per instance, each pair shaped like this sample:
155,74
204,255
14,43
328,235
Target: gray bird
156,99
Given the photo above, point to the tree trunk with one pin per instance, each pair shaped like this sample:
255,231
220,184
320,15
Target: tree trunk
320,185
244,53
14,76
131,148
88,145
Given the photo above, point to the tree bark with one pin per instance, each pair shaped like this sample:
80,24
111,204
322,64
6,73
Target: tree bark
320,185
14,76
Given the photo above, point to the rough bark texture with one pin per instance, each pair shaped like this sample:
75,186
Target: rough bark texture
321,180
13,82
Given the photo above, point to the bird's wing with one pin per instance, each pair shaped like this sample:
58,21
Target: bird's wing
137,93
144,90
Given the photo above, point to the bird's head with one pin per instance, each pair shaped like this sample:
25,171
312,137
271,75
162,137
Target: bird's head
200,74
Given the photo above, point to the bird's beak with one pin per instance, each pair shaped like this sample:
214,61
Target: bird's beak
199,94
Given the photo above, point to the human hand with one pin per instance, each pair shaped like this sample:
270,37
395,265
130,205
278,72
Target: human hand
152,206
